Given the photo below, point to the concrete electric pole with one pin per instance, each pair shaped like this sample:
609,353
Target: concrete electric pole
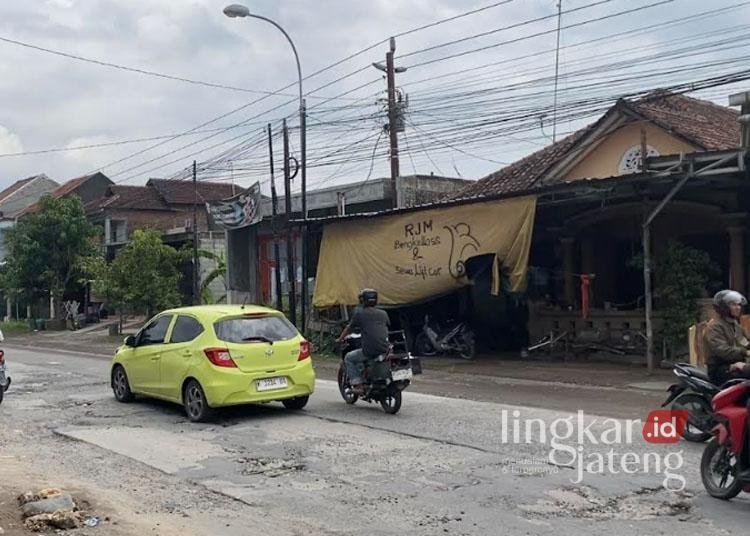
395,119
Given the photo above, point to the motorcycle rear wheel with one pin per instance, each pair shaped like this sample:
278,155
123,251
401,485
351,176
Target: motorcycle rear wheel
720,490
423,346
699,410
343,381
469,347
391,401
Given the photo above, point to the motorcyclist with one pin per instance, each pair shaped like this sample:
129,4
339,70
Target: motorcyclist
727,344
373,324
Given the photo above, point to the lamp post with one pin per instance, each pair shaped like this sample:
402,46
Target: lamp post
234,11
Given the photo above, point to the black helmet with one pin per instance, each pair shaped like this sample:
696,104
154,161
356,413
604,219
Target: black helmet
724,298
368,297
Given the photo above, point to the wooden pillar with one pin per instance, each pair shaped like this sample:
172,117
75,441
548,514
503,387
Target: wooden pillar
588,262
569,282
737,258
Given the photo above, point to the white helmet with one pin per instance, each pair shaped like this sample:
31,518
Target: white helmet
724,298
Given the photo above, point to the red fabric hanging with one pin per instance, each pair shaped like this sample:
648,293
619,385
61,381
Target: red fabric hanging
585,293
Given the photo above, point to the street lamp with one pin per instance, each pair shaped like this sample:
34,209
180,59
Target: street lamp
235,11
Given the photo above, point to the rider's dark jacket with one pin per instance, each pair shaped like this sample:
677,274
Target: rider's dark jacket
726,343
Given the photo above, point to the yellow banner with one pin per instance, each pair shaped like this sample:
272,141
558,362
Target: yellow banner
416,255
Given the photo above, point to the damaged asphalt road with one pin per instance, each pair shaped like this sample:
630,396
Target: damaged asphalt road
441,466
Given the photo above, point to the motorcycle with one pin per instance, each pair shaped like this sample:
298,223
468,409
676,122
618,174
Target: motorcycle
725,464
385,376
693,392
435,339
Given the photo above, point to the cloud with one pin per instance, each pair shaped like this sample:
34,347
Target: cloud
51,102
9,142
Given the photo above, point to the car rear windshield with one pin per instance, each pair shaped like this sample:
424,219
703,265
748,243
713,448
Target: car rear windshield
265,328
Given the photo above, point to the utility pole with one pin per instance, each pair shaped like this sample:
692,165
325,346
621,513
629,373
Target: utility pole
291,274
196,272
274,224
305,234
557,71
392,116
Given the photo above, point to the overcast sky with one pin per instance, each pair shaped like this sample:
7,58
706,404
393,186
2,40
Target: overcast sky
51,102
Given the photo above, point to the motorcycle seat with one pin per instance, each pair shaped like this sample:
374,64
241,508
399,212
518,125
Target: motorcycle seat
694,372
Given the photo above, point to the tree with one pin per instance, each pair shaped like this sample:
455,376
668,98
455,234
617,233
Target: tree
143,276
46,250
682,276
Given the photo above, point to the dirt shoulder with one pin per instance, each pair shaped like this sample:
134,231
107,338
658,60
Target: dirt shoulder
118,515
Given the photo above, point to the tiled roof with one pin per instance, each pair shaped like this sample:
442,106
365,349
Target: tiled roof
182,192
128,197
708,125
62,191
70,186
699,122
522,174
13,188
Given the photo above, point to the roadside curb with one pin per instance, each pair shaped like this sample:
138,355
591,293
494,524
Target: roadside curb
57,350
440,375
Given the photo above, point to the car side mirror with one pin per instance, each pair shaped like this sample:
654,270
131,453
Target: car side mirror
130,341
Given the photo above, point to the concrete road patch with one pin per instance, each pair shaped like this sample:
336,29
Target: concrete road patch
167,451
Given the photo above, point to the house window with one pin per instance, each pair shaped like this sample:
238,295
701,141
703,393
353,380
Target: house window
631,160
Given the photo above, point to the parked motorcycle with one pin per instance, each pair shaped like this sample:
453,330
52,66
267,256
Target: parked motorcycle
725,465
437,339
385,376
693,392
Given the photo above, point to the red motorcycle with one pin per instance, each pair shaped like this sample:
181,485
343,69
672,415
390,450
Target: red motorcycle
725,465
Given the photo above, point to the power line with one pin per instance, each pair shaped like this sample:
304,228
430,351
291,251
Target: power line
138,70
539,34
501,29
316,73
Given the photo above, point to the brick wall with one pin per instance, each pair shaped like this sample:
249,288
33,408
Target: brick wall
158,219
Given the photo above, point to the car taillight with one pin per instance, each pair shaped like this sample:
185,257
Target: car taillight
304,350
220,357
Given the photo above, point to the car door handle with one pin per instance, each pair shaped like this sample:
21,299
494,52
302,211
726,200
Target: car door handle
187,353
156,357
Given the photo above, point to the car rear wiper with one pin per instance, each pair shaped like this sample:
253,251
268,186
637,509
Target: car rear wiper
257,338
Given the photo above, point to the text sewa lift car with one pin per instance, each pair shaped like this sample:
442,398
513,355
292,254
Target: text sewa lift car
205,357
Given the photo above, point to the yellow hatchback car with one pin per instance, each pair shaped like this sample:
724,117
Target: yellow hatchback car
209,356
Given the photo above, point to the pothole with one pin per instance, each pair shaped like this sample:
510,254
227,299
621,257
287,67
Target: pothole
270,467
584,502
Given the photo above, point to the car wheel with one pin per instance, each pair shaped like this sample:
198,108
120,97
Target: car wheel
195,402
295,403
121,386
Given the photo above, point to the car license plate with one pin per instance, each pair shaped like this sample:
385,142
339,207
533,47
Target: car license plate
269,384
403,374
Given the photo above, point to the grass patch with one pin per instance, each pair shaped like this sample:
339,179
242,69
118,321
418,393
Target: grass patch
15,326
